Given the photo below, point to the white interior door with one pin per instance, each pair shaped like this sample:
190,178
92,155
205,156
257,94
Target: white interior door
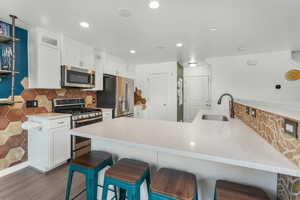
159,89
196,95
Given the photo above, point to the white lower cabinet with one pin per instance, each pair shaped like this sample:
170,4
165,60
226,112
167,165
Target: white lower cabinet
60,146
107,114
49,144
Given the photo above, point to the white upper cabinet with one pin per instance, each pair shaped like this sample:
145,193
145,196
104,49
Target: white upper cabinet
70,52
76,54
110,67
98,67
44,68
98,63
48,51
116,66
86,57
130,71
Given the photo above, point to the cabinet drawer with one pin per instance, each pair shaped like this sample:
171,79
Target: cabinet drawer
81,152
63,122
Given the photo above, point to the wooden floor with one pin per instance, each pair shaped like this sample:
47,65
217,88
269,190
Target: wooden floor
29,184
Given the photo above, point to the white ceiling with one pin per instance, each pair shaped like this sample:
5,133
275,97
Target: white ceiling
257,25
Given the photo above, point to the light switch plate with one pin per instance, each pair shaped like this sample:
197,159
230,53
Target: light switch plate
291,127
253,112
32,104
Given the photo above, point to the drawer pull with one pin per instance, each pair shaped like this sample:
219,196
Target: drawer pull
60,122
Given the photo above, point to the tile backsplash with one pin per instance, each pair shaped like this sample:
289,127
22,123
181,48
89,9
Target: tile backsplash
13,140
270,127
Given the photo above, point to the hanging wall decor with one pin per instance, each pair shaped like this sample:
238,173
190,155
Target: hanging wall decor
293,75
138,99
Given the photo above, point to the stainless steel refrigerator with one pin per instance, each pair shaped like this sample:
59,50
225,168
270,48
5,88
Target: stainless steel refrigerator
124,97
118,93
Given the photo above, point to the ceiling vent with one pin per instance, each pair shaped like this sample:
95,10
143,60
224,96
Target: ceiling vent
124,12
252,62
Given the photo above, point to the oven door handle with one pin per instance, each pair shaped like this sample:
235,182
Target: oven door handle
87,120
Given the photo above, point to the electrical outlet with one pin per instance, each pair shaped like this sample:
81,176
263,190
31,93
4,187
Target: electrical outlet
32,104
278,86
253,112
248,110
291,128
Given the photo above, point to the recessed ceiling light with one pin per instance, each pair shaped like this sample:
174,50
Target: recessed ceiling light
132,51
84,25
179,45
192,144
212,29
192,64
240,49
154,4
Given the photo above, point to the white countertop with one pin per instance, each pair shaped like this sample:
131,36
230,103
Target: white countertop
285,110
230,142
50,115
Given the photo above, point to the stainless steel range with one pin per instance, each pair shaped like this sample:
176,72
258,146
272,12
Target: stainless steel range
81,116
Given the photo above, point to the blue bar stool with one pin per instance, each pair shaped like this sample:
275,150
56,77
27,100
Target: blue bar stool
171,184
89,164
128,175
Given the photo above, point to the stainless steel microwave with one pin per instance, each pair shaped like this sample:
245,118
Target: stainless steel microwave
77,77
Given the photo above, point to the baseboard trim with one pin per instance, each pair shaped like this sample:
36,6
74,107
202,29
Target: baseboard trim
10,170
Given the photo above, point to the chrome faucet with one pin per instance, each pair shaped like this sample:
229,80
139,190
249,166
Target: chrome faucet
231,103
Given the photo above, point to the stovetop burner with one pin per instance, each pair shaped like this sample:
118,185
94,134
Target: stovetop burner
72,106
81,116
77,111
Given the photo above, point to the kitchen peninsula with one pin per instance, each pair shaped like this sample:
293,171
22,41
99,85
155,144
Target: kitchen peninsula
218,148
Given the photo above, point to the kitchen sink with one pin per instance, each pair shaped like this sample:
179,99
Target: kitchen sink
215,118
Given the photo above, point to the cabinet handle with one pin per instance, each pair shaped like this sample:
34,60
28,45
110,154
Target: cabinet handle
60,122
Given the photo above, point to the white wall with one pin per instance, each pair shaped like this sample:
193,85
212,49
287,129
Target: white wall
233,75
143,73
